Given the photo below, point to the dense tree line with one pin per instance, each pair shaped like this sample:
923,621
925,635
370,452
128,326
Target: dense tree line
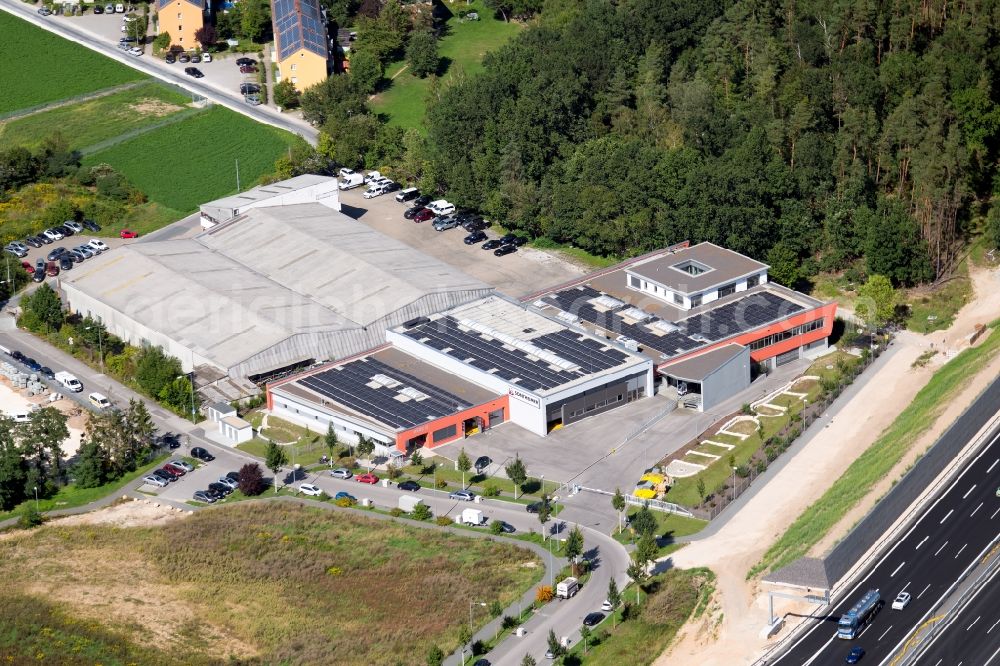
114,444
809,134
31,456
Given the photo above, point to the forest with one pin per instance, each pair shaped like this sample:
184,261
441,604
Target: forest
814,135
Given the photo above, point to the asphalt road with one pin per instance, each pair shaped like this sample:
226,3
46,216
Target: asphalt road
972,636
156,68
948,538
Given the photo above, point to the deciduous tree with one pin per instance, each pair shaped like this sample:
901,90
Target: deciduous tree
517,473
251,481
275,458
464,464
422,53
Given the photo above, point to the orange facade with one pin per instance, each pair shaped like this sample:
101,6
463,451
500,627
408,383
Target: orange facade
456,420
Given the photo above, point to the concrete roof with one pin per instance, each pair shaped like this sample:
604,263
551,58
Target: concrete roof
723,266
697,368
236,422
247,285
263,192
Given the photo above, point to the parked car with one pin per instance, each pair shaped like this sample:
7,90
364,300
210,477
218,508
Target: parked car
52,269
74,225
135,51
902,601
233,476
170,58
52,234
368,478
91,225
174,469
98,9
533,507
409,486
76,255
44,11
607,606
491,244
475,237
98,245
65,263
409,213
195,58
341,473
475,224
248,69
17,249
229,483
183,58
482,462
201,454
16,355
462,495
593,619
310,489
32,364
45,239
171,474
252,99
183,464
202,496
66,231
126,233
206,57
109,9
855,655
409,194
32,241
194,71
219,488
27,266
154,481
424,215
376,191
249,89
445,222
504,249
87,251
512,239
342,495
245,61
506,527
422,200
56,253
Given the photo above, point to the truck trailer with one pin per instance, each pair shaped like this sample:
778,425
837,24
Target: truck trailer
855,620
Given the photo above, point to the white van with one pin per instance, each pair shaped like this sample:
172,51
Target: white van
69,381
20,416
441,207
99,401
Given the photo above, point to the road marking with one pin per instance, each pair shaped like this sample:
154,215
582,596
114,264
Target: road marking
992,657
976,509
973,623
921,542
941,548
897,570
905,586
924,590
960,551
885,632
820,651
946,516
939,662
994,514
994,626
993,465
969,491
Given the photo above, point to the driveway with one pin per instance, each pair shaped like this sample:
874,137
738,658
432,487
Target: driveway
523,272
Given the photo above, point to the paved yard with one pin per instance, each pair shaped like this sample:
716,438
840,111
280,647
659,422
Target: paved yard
523,272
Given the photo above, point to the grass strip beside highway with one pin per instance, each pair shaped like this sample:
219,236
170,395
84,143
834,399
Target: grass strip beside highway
876,463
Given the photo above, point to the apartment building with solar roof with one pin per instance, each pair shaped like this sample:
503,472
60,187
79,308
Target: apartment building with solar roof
301,45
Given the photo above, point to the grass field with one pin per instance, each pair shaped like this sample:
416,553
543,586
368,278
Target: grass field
875,464
461,49
91,121
39,67
265,582
940,304
183,165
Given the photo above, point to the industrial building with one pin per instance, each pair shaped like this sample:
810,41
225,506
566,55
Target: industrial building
270,290
181,19
307,188
301,45
464,370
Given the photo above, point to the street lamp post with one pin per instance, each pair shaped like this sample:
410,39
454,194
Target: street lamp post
471,604
36,499
734,484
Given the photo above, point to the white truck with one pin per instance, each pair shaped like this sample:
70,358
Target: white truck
350,181
408,503
69,381
567,587
473,517
441,207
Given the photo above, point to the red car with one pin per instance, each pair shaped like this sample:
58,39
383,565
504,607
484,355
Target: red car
128,234
370,479
28,268
173,469
248,69
423,215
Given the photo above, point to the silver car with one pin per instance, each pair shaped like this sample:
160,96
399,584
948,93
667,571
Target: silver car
229,483
184,465
341,473
154,481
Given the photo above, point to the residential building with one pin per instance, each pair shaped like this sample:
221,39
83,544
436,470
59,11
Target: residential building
181,19
301,46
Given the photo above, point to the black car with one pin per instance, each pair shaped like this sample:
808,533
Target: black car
422,200
475,237
56,253
511,239
249,88
504,249
170,440
475,224
184,58
235,476
165,476
33,242
534,507
392,187
65,263
194,71
16,355
32,364
245,62
482,462
65,230
47,373
409,486
410,213
98,9
170,58
202,454
506,527
90,224
45,239
593,619
214,494
195,58
38,275
220,488
491,244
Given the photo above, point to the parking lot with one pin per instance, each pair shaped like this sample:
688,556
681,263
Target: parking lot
34,254
517,274
221,74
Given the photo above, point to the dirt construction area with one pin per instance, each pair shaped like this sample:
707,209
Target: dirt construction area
729,633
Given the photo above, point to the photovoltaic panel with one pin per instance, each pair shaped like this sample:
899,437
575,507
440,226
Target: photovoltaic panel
298,24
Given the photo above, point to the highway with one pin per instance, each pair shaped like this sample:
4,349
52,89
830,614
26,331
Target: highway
157,68
972,635
948,539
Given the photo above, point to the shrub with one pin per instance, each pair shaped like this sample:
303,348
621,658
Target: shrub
441,483
396,512
491,490
345,502
761,466
421,512
29,517
543,594
743,471
508,622
443,521
394,472
478,647
496,527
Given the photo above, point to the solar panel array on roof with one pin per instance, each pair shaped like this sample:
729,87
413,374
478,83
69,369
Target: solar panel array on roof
298,24
350,385
718,323
515,365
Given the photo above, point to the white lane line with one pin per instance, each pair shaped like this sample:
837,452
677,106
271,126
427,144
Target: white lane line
821,650
924,590
994,514
993,465
993,626
884,633
960,551
969,491
946,516
905,586
992,657
973,623
921,542
941,548
897,570
976,509
939,662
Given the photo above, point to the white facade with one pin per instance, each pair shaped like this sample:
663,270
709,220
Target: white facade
235,430
685,301
302,189
309,415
